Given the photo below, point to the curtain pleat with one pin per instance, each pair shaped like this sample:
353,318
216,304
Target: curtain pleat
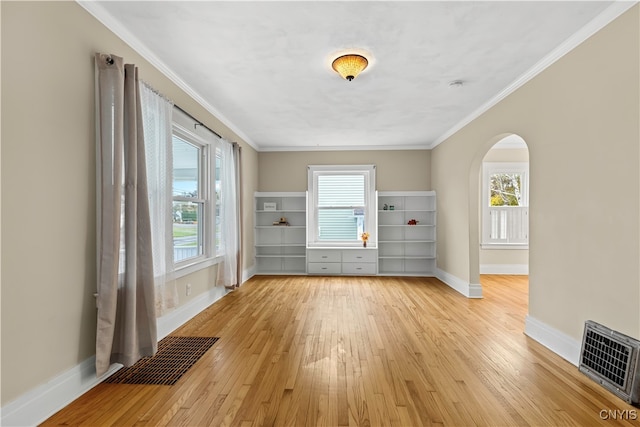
126,329
228,268
237,160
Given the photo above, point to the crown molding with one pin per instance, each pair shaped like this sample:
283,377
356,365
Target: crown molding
344,148
98,12
596,24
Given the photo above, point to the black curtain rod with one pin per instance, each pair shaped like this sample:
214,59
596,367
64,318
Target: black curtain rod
198,122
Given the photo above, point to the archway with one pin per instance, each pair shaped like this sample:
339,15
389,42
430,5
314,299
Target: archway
475,196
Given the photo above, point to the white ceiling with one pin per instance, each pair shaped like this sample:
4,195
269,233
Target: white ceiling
264,68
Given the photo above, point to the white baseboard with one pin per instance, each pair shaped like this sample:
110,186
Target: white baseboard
181,315
248,273
515,269
560,343
38,404
469,290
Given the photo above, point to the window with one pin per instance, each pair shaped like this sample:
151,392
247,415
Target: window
505,205
188,197
195,193
341,205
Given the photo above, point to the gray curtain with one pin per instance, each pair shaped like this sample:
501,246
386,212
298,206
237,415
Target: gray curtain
230,269
237,159
126,329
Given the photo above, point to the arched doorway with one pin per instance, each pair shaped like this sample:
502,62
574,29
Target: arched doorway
496,235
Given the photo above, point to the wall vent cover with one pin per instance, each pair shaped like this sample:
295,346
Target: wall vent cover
611,359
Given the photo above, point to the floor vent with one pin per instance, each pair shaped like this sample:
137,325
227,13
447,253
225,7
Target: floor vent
173,359
611,359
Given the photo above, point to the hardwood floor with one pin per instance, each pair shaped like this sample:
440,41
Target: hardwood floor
366,351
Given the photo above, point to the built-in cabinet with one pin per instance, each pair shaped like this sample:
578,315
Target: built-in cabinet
406,237
356,261
280,232
407,233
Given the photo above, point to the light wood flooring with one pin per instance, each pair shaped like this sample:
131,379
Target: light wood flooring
362,351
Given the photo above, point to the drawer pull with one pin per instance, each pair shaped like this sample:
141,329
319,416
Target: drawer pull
359,257
324,268
324,256
358,268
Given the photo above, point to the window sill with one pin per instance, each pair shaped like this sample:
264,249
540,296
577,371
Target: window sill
504,246
197,265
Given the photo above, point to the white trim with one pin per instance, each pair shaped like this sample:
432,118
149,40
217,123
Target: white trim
616,9
469,290
98,12
187,269
38,404
502,246
560,343
346,148
181,315
368,171
513,269
249,273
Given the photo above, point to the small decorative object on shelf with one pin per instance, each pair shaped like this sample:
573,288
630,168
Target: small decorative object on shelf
282,221
385,207
269,206
412,222
392,207
365,237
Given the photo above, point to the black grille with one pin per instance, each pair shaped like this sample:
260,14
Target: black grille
611,359
607,357
174,358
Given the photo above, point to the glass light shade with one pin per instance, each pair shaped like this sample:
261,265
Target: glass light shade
349,66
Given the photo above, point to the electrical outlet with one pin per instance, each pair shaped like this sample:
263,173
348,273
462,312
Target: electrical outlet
188,289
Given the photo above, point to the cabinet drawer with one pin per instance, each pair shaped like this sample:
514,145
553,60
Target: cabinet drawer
324,268
359,255
323,255
359,268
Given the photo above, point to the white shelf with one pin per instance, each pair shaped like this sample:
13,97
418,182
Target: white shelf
405,249
280,249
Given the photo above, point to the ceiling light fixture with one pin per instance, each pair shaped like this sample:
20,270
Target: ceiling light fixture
349,66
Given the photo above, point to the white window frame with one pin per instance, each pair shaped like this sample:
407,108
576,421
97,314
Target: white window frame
369,173
511,213
192,132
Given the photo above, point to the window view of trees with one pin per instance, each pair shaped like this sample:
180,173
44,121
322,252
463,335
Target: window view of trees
506,189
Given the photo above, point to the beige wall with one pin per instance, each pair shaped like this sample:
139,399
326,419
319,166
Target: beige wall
501,257
580,119
399,170
48,195
507,155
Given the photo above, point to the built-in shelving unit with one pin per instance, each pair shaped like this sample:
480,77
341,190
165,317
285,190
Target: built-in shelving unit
404,248
280,232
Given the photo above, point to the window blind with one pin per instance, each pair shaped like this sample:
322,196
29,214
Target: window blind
341,202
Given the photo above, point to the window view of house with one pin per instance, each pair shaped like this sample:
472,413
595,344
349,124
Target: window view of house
188,205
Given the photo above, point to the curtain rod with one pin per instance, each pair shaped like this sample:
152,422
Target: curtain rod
198,122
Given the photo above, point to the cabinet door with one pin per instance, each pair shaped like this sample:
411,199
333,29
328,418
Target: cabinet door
324,268
359,255
367,268
324,255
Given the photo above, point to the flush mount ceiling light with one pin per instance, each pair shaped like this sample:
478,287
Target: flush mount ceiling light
349,66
